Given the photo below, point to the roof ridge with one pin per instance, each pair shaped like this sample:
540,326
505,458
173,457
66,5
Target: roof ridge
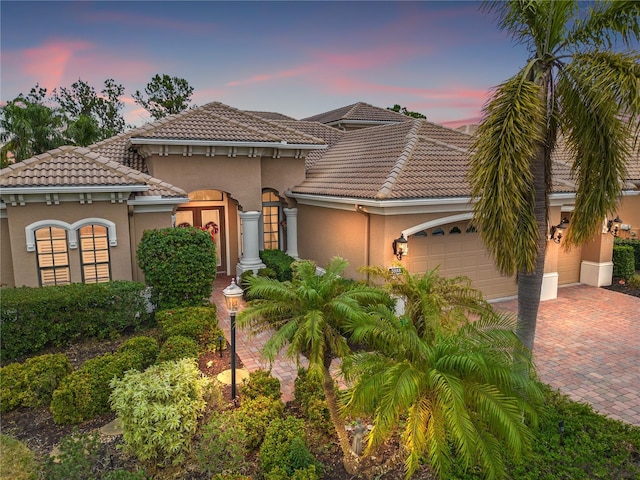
285,127
398,167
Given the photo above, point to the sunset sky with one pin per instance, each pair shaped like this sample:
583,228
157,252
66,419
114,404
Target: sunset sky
298,58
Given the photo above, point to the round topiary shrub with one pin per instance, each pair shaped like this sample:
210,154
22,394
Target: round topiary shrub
179,264
261,383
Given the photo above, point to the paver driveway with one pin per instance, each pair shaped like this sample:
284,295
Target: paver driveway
587,346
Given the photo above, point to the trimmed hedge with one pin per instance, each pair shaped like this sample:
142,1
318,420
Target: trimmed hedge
179,264
32,383
85,393
279,262
197,323
623,262
633,243
32,319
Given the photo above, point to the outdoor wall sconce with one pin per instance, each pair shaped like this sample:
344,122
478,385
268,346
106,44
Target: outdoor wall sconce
400,247
556,231
613,226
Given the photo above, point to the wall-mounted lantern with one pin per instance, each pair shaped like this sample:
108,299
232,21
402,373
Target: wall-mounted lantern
400,247
556,232
613,226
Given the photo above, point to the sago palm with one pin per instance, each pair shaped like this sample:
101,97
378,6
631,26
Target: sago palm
572,85
307,315
454,396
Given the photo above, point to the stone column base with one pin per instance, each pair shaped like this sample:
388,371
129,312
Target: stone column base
549,286
596,274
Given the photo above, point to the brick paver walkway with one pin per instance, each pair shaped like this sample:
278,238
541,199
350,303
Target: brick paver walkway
587,346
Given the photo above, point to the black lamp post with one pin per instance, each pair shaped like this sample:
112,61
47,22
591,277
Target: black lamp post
232,295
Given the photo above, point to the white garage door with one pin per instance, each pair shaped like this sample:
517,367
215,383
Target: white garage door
458,252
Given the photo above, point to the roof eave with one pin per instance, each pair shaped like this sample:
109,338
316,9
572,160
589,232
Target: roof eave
222,143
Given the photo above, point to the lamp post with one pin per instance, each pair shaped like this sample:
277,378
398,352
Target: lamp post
232,295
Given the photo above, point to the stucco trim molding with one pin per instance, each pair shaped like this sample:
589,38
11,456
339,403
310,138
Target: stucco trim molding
72,228
437,222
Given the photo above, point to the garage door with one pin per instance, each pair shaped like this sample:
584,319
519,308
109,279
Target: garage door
458,251
569,265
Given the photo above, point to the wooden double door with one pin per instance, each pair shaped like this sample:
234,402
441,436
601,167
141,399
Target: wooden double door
211,219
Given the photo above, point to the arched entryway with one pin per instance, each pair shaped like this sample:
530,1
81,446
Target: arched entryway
206,209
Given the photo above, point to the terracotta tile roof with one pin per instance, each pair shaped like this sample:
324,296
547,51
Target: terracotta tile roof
70,166
398,161
218,122
359,111
117,149
269,115
330,136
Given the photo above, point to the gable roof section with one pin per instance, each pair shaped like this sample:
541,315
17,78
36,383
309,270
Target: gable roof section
78,167
216,122
330,136
360,112
117,149
269,115
399,161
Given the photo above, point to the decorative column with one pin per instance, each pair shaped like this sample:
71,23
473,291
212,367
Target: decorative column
292,232
250,259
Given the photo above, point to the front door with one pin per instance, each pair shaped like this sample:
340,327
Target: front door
209,218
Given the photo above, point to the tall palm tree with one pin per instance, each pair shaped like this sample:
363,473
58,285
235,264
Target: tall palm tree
572,85
455,391
307,315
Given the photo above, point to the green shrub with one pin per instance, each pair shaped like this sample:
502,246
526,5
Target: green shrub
78,454
284,446
198,323
267,272
279,262
177,348
124,475
255,415
146,347
309,395
222,447
159,409
179,264
261,383
634,281
32,319
633,243
17,462
32,383
623,262
85,393
230,476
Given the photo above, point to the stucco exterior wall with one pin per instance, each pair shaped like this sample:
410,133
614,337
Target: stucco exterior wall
629,211
6,262
25,263
282,173
139,223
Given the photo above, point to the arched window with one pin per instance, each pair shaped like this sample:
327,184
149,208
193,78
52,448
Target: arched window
271,219
94,254
52,256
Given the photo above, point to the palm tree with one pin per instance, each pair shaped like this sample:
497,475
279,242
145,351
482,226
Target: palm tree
573,85
307,314
456,391
432,302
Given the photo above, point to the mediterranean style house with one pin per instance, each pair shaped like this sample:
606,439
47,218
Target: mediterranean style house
349,182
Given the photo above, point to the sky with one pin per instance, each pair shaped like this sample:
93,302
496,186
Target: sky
299,58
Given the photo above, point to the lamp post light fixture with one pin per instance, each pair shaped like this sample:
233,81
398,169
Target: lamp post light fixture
400,247
232,295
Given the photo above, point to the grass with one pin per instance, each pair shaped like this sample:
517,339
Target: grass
17,462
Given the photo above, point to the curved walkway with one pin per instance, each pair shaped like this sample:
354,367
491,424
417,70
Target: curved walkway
587,346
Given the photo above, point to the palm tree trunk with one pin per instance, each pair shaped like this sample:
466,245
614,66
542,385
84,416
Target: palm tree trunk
530,283
350,460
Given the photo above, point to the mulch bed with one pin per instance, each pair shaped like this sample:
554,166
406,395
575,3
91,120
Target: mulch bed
622,286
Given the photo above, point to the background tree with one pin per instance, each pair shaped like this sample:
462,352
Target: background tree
449,383
28,126
308,314
164,95
572,85
404,111
92,117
